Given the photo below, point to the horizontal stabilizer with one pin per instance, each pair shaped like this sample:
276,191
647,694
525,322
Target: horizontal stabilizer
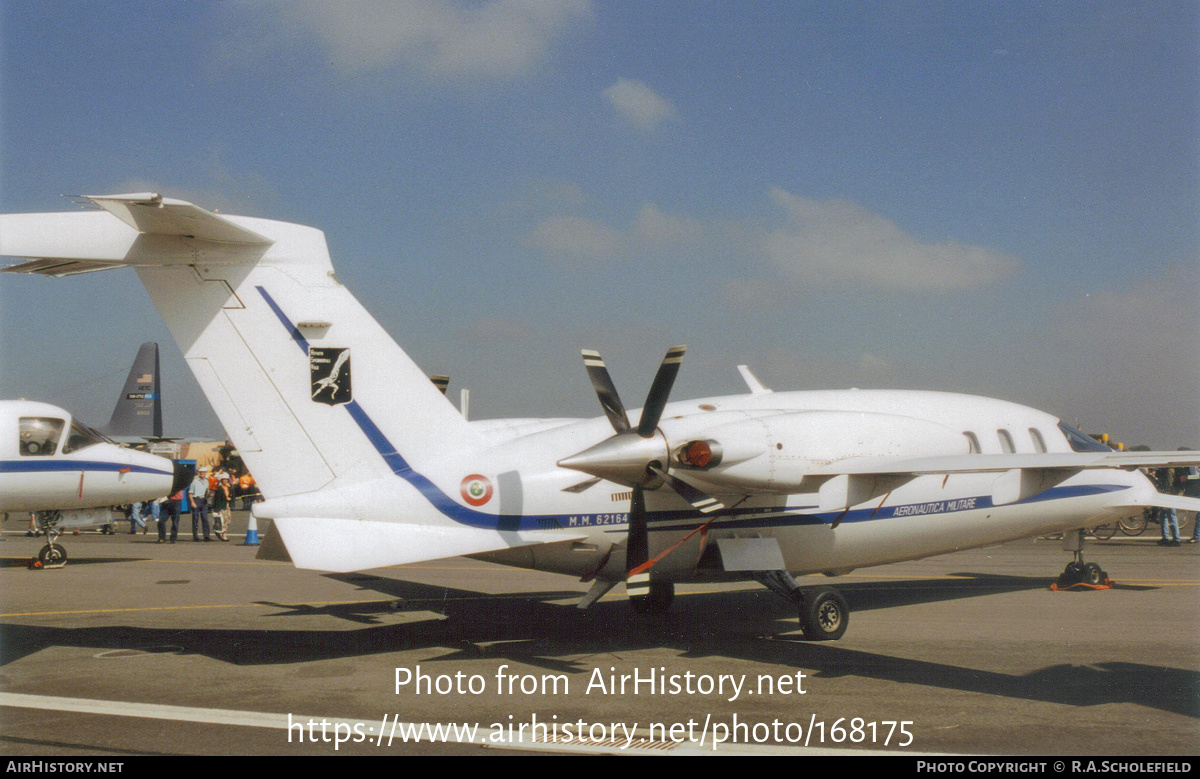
154,214
142,229
343,545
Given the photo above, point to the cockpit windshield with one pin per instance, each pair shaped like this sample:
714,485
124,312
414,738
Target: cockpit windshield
1081,441
81,437
39,436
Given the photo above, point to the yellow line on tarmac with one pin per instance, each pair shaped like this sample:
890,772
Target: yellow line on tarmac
1162,582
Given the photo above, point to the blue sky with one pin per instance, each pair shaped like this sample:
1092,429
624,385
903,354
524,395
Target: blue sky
995,198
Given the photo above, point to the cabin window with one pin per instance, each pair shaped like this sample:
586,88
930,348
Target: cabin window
972,442
39,436
1039,443
80,438
1006,441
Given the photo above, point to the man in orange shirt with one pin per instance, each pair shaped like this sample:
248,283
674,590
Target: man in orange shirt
247,489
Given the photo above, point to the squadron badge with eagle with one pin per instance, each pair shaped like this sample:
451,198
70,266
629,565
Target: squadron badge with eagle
330,371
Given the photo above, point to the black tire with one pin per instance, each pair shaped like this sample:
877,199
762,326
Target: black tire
657,602
1071,575
1104,532
1092,574
824,615
52,554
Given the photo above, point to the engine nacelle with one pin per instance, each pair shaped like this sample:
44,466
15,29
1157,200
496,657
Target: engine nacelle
776,452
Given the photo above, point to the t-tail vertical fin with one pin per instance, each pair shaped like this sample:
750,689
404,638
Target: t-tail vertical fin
309,387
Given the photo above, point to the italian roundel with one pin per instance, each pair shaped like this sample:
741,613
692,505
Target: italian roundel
476,490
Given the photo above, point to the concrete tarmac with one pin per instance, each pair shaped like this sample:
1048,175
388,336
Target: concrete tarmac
139,648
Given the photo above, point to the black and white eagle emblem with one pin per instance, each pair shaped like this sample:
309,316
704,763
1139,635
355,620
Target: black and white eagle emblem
330,371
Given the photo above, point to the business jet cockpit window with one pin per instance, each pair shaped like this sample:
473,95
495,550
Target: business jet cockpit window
81,437
1081,441
39,436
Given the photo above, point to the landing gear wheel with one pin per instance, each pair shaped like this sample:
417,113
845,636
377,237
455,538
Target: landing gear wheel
657,602
1072,574
1093,574
824,615
52,556
1133,526
1104,532
1081,573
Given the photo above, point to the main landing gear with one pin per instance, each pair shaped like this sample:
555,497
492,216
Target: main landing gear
824,613
1079,573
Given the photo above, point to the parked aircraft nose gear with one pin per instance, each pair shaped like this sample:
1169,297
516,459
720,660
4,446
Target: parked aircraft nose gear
52,556
1092,574
1079,574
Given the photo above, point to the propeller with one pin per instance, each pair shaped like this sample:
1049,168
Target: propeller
638,457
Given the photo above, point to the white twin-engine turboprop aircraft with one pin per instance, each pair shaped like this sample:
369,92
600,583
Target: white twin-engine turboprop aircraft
364,462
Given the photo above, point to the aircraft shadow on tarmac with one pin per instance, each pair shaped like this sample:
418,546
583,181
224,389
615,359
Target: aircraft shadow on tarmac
529,629
23,562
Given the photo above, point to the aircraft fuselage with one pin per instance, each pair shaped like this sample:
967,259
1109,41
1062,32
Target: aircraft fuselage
49,463
771,443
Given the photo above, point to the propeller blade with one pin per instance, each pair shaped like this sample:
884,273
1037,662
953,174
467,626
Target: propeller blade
656,400
637,546
605,389
701,501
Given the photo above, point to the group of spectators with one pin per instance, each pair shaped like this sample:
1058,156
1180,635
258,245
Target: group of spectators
210,498
1176,481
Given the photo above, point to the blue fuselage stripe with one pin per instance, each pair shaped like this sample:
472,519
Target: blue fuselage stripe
50,466
399,466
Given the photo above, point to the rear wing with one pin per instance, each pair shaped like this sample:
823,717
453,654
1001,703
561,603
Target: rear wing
149,230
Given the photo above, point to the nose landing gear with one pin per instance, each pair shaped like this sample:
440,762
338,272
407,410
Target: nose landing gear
1080,574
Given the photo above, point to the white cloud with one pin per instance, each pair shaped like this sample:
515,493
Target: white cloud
639,104
754,294
441,37
655,228
575,236
836,241
832,243
651,231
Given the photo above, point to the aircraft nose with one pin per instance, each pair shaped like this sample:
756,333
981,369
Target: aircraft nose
184,473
